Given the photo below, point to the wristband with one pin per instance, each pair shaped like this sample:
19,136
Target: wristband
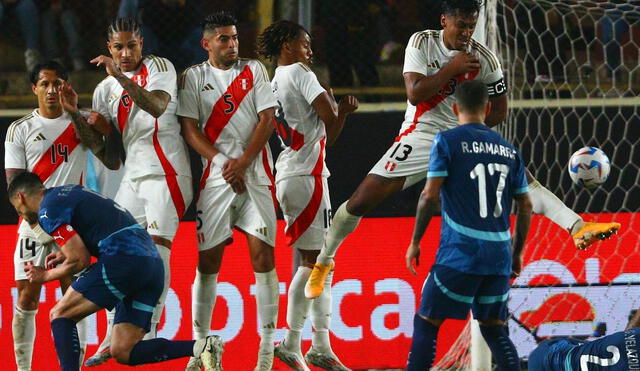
41,235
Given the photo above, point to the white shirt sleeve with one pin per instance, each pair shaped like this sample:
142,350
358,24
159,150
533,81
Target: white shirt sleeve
162,76
263,94
14,149
491,74
188,95
415,59
99,102
308,83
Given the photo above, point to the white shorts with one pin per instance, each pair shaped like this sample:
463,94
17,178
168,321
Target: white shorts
306,206
28,249
408,157
157,202
219,209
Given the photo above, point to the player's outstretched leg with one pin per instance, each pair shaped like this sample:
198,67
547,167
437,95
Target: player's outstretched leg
502,348
423,345
103,353
320,354
583,233
298,306
373,190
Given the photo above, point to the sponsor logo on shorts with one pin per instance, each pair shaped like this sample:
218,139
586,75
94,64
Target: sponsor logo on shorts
153,225
263,231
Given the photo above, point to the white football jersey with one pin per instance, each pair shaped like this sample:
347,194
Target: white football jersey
153,146
426,54
49,148
226,103
299,127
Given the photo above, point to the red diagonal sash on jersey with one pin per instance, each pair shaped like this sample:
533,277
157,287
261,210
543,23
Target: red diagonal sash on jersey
57,153
125,104
170,175
433,101
306,217
272,179
228,104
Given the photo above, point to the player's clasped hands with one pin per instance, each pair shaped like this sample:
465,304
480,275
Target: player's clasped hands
109,65
233,173
34,274
53,259
413,253
463,63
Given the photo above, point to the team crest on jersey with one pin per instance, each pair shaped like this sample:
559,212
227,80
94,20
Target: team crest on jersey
140,79
390,166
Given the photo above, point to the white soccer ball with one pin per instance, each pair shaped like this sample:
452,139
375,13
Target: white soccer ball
589,167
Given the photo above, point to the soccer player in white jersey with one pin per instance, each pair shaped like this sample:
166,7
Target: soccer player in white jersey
307,119
52,142
435,63
140,97
227,110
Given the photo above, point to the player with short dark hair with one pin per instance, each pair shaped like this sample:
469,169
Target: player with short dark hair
51,141
307,119
70,215
475,174
619,351
436,63
227,109
139,96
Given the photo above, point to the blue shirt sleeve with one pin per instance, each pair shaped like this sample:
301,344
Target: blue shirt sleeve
520,184
439,158
53,214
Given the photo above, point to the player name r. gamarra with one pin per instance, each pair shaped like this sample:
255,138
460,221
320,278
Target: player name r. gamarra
489,148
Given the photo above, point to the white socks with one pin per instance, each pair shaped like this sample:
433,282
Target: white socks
343,223
24,334
203,299
165,255
546,203
297,309
267,295
321,317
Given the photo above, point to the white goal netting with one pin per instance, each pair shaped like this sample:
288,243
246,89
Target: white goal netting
573,70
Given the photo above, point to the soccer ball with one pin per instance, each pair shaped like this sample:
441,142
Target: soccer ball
589,167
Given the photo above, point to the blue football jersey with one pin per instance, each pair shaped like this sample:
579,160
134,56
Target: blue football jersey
105,227
615,352
483,173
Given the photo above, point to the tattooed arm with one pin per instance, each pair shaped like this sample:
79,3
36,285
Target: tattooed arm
154,102
97,134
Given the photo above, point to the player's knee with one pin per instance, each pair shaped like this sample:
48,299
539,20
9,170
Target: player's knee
263,260
28,302
120,353
56,312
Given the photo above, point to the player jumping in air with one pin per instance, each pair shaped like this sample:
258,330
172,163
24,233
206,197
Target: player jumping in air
436,62
307,119
476,174
51,142
85,224
227,110
616,352
140,97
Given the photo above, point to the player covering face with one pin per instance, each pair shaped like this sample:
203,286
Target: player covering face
308,118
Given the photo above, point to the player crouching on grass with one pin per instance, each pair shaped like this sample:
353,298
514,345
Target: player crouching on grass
476,255
122,246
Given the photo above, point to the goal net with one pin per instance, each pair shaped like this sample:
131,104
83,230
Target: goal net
574,74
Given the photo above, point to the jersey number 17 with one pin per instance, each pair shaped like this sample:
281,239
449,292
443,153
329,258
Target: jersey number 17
479,172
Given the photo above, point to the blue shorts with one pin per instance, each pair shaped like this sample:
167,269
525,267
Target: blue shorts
131,284
448,293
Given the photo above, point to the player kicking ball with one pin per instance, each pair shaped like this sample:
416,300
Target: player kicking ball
476,256
122,246
616,352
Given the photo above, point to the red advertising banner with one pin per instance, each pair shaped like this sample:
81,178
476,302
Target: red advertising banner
374,295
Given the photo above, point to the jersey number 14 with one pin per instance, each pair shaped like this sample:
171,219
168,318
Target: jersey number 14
479,172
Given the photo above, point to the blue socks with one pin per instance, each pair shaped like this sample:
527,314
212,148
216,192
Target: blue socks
65,336
503,351
423,346
158,350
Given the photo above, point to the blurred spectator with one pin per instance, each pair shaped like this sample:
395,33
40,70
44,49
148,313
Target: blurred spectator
615,22
391,49
26,12
56,13
171,29
351,40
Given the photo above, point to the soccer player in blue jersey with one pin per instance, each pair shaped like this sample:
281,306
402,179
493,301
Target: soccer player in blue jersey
475,174
128,275
616,352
